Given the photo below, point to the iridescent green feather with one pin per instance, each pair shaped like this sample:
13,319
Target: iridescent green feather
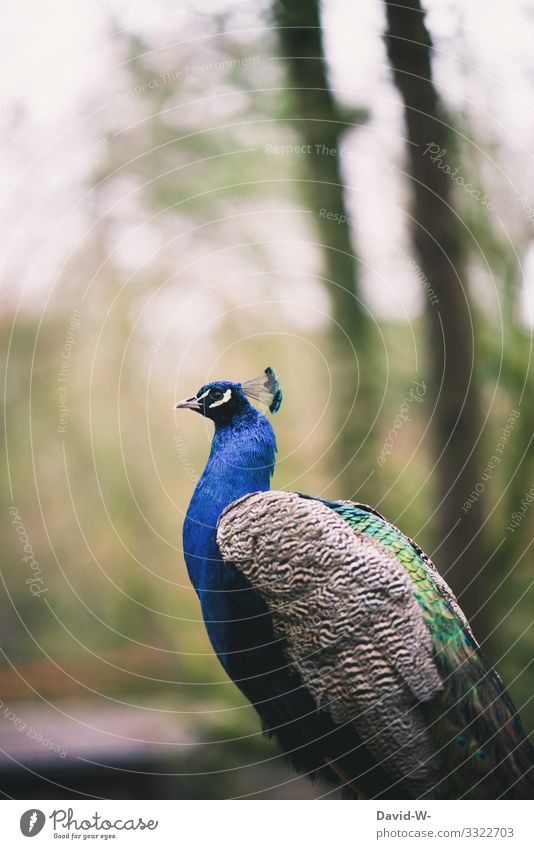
473,722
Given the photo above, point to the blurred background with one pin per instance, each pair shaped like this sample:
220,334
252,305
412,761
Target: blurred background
344,192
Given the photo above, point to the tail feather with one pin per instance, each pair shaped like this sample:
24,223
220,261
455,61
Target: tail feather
484,747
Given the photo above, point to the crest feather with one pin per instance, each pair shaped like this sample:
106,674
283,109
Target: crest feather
264,389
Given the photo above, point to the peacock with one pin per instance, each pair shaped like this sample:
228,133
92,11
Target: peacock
339,629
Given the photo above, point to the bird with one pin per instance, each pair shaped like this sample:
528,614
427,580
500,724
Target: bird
339,629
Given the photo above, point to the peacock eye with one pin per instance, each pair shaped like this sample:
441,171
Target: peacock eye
216,394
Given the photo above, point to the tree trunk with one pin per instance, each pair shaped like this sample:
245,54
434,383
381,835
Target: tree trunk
438,242
320,125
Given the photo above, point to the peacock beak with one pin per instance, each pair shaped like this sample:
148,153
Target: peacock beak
188,404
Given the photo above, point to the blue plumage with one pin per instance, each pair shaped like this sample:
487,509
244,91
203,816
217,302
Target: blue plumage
241,461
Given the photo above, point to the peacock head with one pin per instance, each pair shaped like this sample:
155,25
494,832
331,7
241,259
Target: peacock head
222,400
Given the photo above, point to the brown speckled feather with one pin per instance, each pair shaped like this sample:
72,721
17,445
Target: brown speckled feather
353,627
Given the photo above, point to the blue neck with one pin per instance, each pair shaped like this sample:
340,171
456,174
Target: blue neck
241,460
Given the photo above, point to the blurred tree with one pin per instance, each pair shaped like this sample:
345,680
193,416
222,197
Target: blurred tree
320,123
506,350
439,242
498,253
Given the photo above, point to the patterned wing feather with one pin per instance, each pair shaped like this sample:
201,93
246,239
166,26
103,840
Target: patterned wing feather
352,624
473,722
381,641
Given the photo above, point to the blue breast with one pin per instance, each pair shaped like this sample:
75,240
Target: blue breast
241,461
